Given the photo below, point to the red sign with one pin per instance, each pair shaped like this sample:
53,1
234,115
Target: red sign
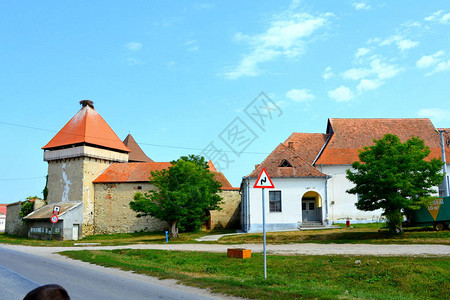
56,209
264,180
54,219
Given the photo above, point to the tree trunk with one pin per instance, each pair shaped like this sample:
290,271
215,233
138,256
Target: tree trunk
394,218
173,229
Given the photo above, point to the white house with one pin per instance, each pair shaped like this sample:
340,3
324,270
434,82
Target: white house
309,173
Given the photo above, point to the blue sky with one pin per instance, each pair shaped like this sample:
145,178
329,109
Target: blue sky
188,77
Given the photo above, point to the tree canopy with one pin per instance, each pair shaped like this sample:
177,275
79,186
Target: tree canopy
395,177
182,195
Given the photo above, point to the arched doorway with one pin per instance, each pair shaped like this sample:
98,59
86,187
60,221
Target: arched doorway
311,207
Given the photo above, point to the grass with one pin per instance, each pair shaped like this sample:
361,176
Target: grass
113,239
289,277
360,233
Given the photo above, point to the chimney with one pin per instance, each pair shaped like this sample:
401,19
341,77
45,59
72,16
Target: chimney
89,103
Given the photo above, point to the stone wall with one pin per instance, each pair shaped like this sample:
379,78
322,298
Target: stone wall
113,213
14,224
70,179
229,216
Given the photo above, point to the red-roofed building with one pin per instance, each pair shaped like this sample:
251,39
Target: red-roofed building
93,176
2,216
309,173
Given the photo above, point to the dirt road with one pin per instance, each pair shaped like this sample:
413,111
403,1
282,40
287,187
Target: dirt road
282,249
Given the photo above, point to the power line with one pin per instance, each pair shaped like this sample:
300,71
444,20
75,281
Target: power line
146,144
18,179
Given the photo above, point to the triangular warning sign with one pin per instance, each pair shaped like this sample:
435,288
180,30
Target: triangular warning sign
434,207
264,180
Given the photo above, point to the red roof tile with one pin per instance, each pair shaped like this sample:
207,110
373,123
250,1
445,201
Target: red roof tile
211,166
351,135
3,208
140,172
136,154
307,145
300,167
130,172
87,126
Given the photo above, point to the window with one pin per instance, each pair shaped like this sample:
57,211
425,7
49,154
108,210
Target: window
275,201
285,163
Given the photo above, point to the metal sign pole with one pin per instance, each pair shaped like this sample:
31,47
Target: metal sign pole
264,234
51,231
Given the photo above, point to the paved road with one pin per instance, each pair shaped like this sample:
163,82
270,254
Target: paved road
21,272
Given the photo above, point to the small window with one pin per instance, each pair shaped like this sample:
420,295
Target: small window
285,163
303,206
311,205
275,201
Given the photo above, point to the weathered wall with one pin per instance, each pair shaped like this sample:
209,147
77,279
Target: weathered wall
229,216
41,229
70,179
113,213
64,180
14,224
92,168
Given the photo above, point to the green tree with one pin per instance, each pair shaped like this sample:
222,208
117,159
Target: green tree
395,177
182,195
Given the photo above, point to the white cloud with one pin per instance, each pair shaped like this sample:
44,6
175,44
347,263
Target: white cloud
390,40
286,37
439,17
356,73
384,70
361,52
327,74
302,95
443,66
377,68
427,61
401,43
361,5
341,94
133,46
435,114
368,85
191,46
406,44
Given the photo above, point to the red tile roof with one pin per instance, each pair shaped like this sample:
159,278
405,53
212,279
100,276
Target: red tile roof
351,135
211,166
140,172
3,208
136,154
300,167
130,172
342,143
307,145
87,126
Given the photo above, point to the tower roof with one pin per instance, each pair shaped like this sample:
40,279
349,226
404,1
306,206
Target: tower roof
87,126
136,154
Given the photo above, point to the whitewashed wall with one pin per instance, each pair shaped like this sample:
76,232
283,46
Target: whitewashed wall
292,190
341,203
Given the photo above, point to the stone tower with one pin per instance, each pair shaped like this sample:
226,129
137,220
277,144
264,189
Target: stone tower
76,155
